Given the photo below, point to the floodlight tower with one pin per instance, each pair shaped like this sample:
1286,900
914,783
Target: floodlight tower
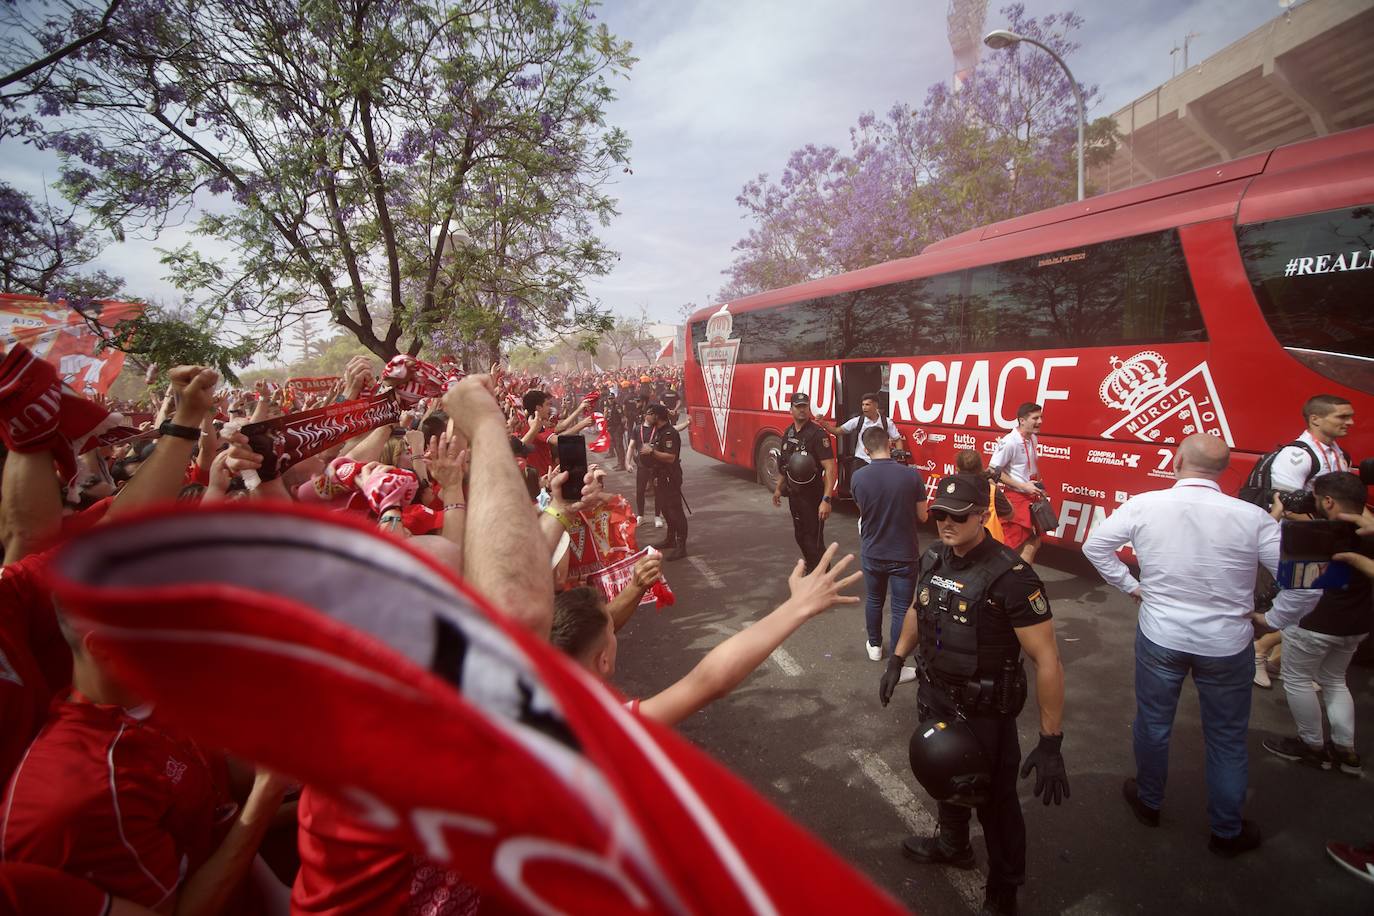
965,20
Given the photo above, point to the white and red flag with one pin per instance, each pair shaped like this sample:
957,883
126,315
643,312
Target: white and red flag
313,645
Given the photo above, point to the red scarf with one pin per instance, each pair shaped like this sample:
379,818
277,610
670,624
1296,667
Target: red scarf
325,650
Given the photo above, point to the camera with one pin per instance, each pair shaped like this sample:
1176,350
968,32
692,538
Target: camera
901,456
1296,502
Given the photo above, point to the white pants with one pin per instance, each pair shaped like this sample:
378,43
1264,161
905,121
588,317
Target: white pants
1308,657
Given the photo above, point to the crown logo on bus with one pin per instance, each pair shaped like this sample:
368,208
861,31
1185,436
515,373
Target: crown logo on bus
1134,381
720,325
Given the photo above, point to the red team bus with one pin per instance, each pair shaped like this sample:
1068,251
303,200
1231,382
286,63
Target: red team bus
1214,301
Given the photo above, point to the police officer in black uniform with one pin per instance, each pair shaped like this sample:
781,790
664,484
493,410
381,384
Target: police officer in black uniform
663,454
979,606
807,476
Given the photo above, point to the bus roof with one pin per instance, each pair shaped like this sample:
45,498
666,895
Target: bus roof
1205,193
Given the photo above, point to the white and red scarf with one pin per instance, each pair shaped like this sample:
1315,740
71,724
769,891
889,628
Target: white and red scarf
322,649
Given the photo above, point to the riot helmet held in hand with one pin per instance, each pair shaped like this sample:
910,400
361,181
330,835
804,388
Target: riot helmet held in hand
949,763
800,468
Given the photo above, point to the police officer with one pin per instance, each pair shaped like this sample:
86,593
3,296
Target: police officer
663,454
978,607
807,475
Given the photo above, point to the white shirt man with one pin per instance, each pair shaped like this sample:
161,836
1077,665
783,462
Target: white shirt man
863,422
1015,456
1016,462
1198,550
1328,418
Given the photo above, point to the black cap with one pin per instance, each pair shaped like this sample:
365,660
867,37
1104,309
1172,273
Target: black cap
800,398
960,493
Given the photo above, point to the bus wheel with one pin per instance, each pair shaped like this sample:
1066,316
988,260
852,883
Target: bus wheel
766,461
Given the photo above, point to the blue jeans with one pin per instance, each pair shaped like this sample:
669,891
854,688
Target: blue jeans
878,575
1224,690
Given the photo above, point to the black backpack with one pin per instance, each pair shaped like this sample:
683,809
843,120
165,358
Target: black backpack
1259,486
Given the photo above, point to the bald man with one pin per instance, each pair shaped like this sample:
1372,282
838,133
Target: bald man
1198,550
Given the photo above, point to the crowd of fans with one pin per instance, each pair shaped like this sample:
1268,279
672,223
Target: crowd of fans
108,809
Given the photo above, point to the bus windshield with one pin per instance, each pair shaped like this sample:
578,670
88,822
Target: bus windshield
1313,277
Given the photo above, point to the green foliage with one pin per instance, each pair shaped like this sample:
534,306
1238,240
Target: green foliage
168,339
324,141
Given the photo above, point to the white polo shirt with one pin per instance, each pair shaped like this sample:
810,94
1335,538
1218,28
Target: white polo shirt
1292,465
1016,456
852,424
1199,550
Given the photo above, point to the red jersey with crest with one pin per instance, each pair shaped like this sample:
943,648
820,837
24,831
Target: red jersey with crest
347,869
106,794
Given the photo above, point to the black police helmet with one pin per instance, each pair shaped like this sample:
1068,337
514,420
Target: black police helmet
801,468
949,763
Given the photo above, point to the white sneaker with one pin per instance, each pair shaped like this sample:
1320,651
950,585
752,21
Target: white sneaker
1261,673
658,521
908,675
639,519
875,653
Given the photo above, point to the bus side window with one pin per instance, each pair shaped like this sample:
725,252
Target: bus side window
1132,290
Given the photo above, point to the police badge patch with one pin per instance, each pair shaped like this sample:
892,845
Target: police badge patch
925,597
1038,602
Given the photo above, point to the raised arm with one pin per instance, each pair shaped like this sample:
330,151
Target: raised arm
504,555
30,503
733,660
160,478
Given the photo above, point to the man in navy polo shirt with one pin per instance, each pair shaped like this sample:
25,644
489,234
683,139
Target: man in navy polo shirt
891,499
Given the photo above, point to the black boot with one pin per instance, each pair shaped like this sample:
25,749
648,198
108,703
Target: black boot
676,552
1000,900
932,850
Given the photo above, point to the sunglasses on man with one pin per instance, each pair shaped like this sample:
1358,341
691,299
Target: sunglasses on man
940,515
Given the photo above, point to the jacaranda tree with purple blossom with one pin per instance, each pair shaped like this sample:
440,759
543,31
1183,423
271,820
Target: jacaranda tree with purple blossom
1001,145
323,143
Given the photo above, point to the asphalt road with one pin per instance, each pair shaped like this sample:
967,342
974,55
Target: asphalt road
806,730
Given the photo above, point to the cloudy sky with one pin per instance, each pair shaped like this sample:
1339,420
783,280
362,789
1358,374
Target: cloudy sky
726,89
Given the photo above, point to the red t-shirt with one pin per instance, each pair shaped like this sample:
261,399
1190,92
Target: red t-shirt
34,659
346,869
106,794
36,889
541,452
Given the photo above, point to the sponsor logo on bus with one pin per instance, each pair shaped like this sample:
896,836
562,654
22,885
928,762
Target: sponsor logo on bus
1082,491
1157,411
937,437
1061,452
718,356
1115,459
919,436
965,440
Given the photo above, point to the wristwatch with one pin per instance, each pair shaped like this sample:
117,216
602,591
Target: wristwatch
168,428
825,499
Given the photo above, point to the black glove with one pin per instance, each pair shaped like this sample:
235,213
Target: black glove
892,674
1051,781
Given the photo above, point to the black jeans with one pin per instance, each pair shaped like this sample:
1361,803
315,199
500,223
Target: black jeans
807,525
618,447
1004,829
643,474
668,500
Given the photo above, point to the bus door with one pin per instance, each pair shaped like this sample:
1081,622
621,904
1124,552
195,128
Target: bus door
854,381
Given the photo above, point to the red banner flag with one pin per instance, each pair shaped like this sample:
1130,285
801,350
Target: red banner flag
60,335
324,650
311,386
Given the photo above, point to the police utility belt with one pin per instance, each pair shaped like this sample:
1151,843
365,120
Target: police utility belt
948,603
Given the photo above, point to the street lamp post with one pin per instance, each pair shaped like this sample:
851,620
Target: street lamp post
998,39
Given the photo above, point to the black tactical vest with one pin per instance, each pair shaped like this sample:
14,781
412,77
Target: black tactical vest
948,602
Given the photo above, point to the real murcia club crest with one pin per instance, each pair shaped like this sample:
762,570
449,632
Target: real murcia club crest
717,357
1157,411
